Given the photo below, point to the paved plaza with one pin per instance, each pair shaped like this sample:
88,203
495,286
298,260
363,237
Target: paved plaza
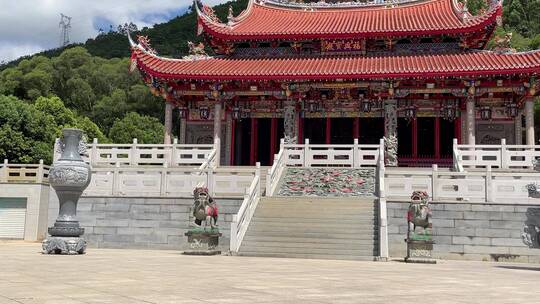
140,276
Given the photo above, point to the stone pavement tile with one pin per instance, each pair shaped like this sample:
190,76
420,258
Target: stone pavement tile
155,277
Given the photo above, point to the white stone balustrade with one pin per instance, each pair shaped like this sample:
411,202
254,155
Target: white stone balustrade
24,173
309,155
445,185
167,182
501,156
240,221
135,154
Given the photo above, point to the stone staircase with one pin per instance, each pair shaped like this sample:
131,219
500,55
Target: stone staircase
318,228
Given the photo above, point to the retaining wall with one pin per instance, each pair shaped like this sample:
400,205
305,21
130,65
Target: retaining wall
145,223
470,231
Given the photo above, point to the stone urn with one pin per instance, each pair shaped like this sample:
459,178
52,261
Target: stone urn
69,176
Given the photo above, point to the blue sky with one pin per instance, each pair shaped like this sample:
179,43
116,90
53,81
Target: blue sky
30,26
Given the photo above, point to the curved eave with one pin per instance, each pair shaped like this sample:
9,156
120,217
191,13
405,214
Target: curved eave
474,64
230,32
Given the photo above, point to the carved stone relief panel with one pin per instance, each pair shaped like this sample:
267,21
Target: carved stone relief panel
491,132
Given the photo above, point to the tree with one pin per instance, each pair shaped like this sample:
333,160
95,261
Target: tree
26,134
109,108
80,95
475,6
523,16
147,130
90,129
10,81
54,106
37,83
65,118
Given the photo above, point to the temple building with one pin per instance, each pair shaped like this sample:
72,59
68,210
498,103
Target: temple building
415,70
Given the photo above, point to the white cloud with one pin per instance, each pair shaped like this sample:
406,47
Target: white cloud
29,26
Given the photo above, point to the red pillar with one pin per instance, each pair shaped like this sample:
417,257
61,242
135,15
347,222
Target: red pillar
233,141
437,137
328,130
300,130
415,138
356,128
273,139
254,143
457,129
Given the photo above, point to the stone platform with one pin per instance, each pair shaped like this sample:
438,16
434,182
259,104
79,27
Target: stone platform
161,277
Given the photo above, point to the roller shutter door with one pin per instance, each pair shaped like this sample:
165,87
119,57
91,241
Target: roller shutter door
12,218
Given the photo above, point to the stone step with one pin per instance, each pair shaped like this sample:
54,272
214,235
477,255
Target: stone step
284,210
319,251
319,228
357,235
344,245
319,200
311,205
297,219
362,225
308,256
255,227
309,212
338,240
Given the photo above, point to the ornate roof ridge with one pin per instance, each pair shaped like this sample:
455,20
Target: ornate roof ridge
149,51
468,64
322,5
410,18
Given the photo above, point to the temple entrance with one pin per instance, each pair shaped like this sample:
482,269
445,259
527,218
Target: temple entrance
425,141
341,131
264,140
447,135
371,130
425,130
405,139
315,130
242,142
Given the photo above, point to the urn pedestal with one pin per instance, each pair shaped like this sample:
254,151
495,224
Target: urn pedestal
68,176
419,251
203,242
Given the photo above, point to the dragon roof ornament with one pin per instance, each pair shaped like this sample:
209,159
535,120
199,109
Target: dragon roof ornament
208,13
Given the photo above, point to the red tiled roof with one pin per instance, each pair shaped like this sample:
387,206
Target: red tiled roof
470,64
417,18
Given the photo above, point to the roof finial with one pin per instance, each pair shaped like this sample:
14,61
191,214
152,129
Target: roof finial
230,17
465,10
131,42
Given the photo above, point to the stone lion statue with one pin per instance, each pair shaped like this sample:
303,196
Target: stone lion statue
205,210
419,214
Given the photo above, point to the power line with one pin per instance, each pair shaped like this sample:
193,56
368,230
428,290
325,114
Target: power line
65,28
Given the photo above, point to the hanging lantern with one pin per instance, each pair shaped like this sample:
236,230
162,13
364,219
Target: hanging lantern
410,112
449,111
511,109
236,113
366,106
244,113
313,106
183,112
485,113
204,112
